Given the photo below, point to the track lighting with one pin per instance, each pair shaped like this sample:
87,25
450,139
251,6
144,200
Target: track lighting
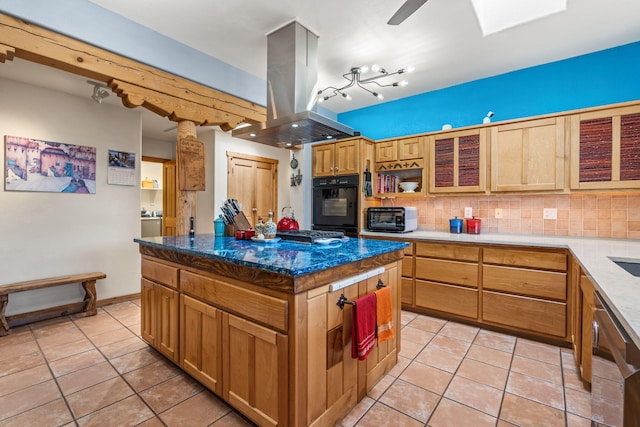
99,91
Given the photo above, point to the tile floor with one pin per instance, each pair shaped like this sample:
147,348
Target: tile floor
96,371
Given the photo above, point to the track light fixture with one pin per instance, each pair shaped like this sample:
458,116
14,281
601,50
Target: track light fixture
99,91
354,76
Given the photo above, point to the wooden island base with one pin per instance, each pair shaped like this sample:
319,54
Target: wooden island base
279,356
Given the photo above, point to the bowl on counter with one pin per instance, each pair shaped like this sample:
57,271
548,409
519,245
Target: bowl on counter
409,186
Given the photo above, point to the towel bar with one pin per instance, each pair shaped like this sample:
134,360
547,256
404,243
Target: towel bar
343,300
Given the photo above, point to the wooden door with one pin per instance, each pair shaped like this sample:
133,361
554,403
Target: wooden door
166,303
387,151
253,181
255,366
528,156
410,148
148,312
346,158
169,189
201,342
458,161
322,159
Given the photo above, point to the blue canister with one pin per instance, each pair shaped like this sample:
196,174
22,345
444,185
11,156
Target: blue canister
455,225
218,226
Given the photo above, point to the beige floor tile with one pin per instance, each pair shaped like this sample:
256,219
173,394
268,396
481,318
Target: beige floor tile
171,392
440,359
399,367
427,377
98,324
524,412
411,400
578,402
450,345
576,421
9,351
573,379
201,410
496,341
536,368
150,375
483,373
136,360
536,389
478,396
18,335
28,398
87,377
54,413
21,362
152,422
538,351
449,413
490,356
409,349
24,379
231,420
69,349
381,386
406,317
130,411
123,347
416,335
356,412
459,331
382,416
427,323
76,362
58,336
110,337
99,396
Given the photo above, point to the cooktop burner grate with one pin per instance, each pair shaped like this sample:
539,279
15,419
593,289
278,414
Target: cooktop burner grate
309,236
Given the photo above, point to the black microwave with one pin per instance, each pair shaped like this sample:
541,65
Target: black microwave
394,219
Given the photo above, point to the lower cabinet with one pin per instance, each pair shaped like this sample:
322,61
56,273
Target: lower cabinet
160,318
588,309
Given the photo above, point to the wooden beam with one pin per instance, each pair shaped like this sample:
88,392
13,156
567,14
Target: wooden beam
6,53
36,44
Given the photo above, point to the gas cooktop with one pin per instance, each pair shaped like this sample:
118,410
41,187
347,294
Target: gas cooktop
309,236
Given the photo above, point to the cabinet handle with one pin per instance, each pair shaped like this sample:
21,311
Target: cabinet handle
330,169
595,328
337,169
254,210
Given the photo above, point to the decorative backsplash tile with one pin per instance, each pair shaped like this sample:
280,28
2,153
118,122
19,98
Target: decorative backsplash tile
610,215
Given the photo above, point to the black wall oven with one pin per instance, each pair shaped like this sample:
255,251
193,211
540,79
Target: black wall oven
335,204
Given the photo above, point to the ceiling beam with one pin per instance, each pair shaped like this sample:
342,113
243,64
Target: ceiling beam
135,83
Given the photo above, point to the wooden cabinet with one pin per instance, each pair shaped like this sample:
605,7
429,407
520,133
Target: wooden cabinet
528,156
160,306
253,182
446,278
397,161
604,149
586,319
255,371
458,161
336,158
408,274
201,342
525,290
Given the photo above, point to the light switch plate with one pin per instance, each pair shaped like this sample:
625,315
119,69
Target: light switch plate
468,212
550,213
498,213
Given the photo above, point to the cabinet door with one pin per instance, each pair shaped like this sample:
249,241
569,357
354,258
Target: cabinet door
201,342
604,147
166,303
528,156
147,312
410,148
386,151
458,161
588,308
255,363
322,159
346,158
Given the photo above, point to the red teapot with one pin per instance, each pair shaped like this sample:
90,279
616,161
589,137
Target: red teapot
288,222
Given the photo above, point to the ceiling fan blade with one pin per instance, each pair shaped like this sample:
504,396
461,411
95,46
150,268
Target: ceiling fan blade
405,11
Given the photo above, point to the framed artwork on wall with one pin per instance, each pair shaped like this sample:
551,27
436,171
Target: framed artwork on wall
44,166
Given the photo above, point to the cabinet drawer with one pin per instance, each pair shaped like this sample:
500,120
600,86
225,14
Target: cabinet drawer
441,250
546,317
409,249
262,308
545,284
527,259
159,272
438,270
447,298
407,266
407,291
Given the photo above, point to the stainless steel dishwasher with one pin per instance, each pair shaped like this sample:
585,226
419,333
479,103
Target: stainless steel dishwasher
615,382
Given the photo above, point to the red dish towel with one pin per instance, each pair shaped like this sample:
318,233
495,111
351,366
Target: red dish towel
385,314
364,326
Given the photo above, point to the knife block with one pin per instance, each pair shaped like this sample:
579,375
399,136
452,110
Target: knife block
240,222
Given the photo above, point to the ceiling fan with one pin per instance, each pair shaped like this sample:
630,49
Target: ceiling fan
405,11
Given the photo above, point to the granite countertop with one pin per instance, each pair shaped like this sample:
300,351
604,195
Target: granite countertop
283,257
620,289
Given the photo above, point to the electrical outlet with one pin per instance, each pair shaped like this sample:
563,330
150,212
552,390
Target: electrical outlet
468,212
550,213
498,213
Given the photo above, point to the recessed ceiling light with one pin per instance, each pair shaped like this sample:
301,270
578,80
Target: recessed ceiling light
498,15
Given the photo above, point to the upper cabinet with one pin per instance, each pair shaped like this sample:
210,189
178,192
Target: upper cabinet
528,156
458,161
336,158
398,161
604,149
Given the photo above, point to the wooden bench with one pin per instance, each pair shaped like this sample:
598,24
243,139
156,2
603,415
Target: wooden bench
88,281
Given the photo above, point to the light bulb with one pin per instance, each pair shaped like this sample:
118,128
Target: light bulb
364,69
346,96
320,100
375,68
404,83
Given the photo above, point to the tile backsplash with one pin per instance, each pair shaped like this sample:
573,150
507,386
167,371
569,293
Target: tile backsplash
610,215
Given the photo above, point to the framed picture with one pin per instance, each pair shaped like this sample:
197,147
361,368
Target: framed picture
35,165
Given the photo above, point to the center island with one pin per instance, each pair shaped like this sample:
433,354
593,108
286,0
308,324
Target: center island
259,324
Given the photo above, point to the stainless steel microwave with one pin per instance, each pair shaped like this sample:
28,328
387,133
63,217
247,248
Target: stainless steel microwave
394,219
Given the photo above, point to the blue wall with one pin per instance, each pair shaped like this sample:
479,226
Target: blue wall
598,78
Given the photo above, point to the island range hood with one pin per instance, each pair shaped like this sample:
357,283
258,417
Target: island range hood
292,75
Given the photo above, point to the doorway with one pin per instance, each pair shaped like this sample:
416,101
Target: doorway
156,212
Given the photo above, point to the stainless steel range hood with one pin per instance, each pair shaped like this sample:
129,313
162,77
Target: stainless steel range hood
292,75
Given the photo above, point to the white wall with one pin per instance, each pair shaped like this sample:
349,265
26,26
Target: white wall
51,234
